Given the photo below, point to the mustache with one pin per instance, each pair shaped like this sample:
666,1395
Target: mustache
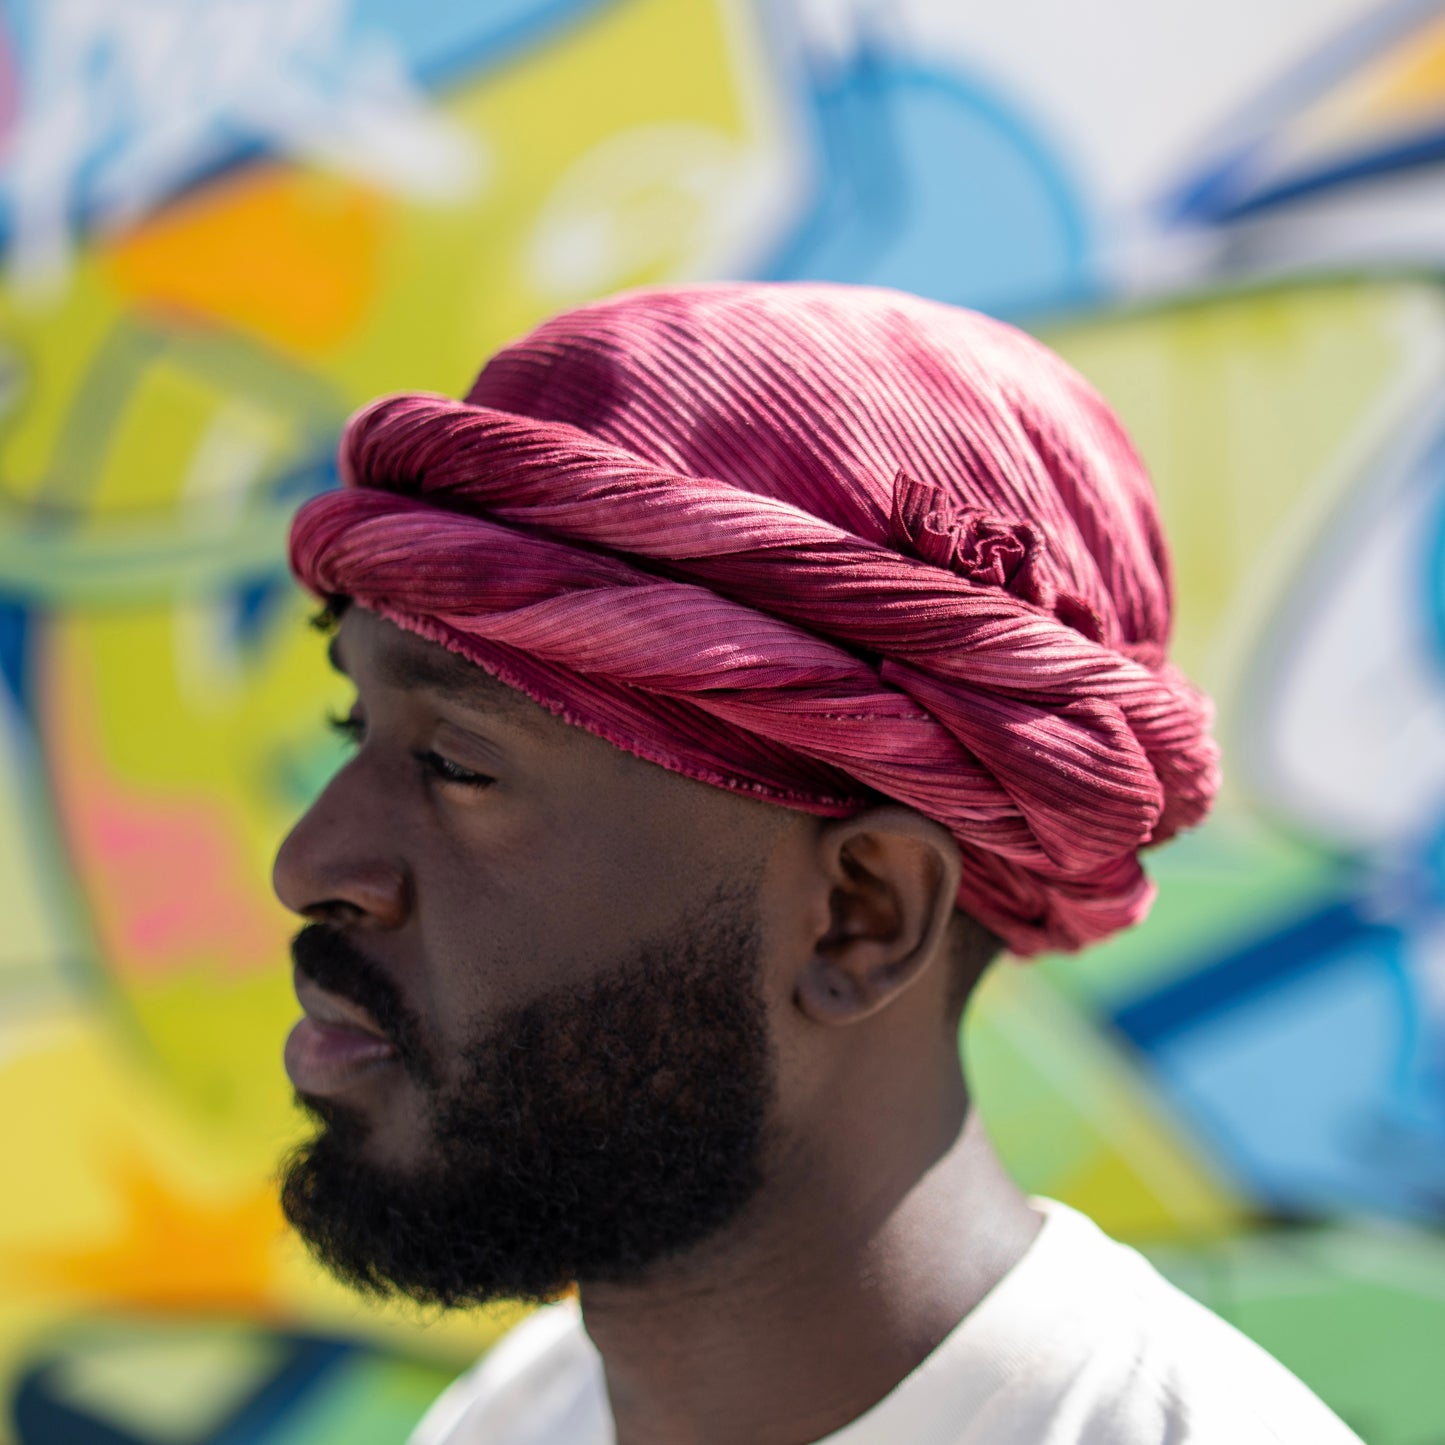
329,959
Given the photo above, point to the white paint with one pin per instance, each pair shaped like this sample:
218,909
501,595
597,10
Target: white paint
126,100
1128,91
1349,724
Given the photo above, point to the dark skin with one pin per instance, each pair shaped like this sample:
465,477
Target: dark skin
481,851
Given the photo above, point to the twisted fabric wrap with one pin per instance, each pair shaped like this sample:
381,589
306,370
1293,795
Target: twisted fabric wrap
814,543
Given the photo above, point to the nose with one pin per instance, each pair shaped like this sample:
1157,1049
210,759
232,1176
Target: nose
335,865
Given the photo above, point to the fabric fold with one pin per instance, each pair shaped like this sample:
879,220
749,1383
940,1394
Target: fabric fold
768,548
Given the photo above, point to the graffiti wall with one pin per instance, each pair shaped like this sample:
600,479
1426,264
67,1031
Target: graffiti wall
225,223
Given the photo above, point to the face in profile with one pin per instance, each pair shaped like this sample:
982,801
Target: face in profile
536,1042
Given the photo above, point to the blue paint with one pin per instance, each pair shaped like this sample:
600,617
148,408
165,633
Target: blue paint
317,474
1233,191
435,42
45,1413
15,636
39,1418
931,183
1296,1091
443,41
1211,195
1432,582
310,1361
256,605
1233,183
1312,1061
1228,983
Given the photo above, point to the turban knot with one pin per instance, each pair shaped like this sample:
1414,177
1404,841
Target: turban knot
820,544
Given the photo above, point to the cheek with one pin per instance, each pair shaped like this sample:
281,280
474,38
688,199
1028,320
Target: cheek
517,895
501,918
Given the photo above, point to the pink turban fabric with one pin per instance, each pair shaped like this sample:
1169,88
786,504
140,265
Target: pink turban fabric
817,544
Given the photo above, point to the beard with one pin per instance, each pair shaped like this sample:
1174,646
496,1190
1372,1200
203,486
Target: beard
589,1135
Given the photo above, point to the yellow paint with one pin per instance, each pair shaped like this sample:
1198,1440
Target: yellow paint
1253,411
54,347
200,356
1399,90
190,362
465,268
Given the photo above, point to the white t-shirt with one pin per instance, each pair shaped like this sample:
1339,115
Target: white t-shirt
1083,1342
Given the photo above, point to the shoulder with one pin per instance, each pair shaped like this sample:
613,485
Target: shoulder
541,1384
1129,1356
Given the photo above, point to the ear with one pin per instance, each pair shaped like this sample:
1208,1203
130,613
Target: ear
893,876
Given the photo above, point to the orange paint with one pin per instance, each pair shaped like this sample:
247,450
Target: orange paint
1409,78
169,1252
288,257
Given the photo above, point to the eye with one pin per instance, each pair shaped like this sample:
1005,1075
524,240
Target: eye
351,727
450,772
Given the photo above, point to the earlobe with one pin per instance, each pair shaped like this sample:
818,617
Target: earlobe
829,995
894,880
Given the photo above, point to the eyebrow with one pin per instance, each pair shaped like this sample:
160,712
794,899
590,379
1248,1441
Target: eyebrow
453,677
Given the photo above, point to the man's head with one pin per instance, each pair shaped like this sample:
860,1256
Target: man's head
613,999
728,659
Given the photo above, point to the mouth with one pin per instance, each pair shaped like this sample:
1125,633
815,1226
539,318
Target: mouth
336,1046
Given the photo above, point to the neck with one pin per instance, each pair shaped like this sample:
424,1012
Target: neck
832,1290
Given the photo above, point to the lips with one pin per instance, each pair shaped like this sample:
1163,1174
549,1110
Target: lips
336,1046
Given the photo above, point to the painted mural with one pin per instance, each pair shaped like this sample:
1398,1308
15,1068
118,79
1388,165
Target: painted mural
225,223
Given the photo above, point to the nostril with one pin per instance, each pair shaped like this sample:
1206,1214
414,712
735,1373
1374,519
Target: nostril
334,911
321,875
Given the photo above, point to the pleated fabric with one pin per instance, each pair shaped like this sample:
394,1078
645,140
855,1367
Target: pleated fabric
816,543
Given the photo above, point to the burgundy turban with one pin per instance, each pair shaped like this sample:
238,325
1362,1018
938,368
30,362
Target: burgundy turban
816,544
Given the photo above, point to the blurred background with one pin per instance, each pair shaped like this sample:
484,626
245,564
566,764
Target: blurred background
225,223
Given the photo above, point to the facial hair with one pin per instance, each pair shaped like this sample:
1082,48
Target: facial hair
591,1133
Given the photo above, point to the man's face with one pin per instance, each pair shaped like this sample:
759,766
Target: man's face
536,992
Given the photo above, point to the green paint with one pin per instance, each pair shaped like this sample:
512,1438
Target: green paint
170,1386
364,1401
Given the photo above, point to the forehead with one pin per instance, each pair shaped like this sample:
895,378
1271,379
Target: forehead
370,648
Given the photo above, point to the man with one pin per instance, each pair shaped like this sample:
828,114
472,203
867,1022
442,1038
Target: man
738,669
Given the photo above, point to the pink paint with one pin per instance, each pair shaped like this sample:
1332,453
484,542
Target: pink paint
175,886
9,93
170,888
